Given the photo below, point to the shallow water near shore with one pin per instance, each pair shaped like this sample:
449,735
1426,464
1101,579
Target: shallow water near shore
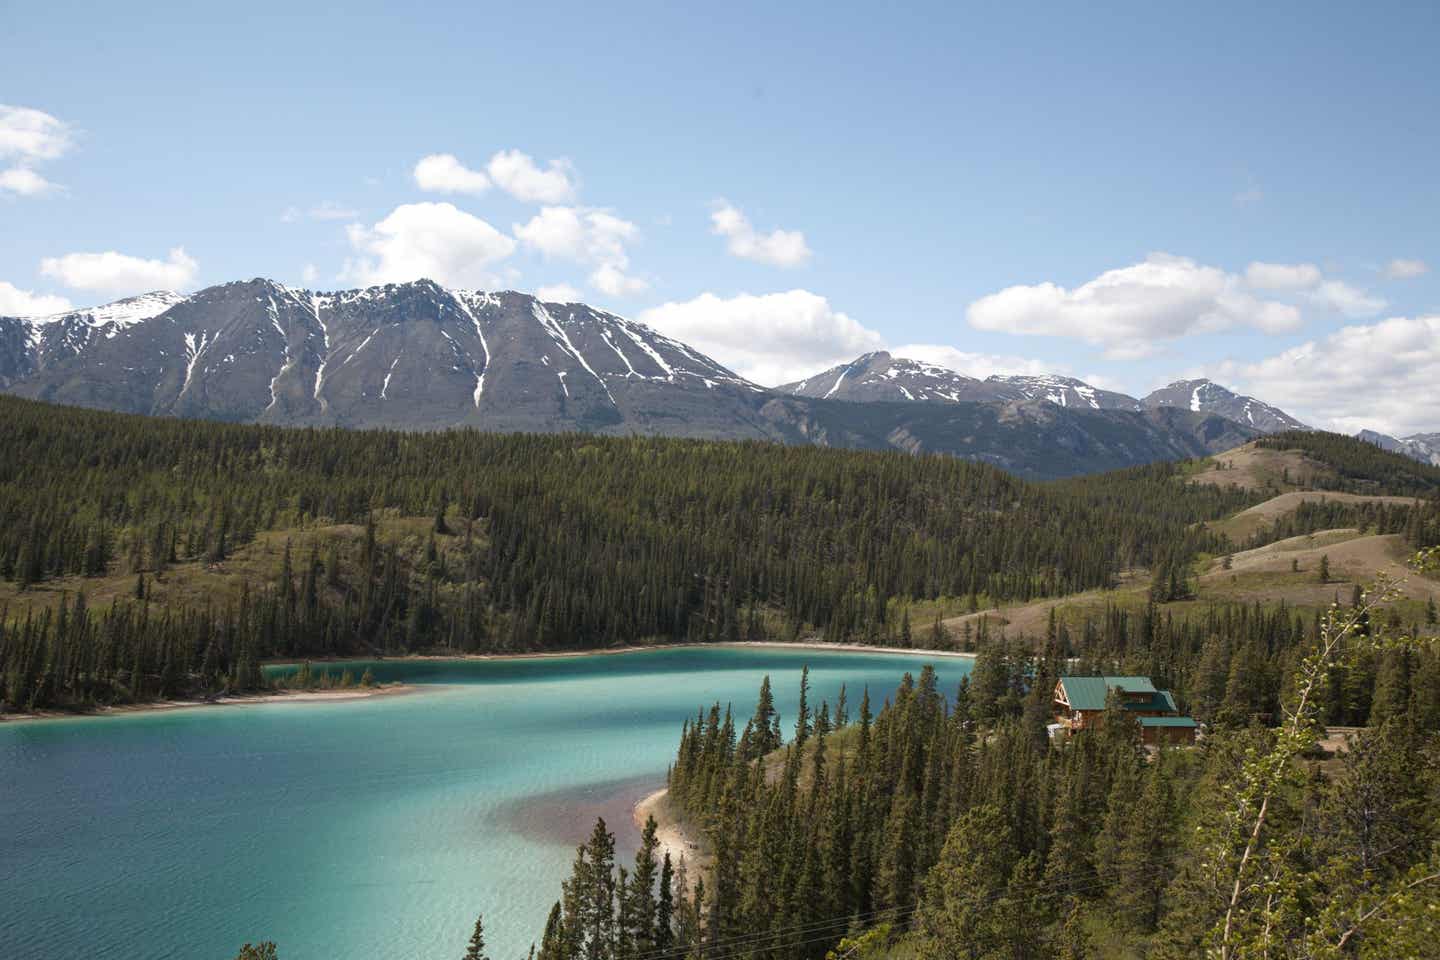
371,828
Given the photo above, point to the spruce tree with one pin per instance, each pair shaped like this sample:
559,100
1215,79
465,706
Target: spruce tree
476,948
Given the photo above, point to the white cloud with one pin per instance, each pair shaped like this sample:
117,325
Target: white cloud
1341,297
1130,309
558,293
1406,269
1381,376
1282,276
590,236
429,240
779,248
15,302
325,211
517,174
24,182
978,365
444,173
613,281
27,137
770,339
120,274
1306,280
309,274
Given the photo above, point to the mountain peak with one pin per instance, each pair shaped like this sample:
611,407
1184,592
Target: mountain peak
1202,395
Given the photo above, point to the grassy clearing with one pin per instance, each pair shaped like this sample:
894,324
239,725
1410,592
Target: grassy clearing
196,583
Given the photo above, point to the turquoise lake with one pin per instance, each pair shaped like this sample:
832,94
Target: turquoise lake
365,829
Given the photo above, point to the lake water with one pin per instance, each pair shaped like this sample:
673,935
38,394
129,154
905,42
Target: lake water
369,829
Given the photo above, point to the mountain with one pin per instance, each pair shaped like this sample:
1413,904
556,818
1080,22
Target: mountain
1207,396
419,356
879,376
411,355
1067,392
1424,447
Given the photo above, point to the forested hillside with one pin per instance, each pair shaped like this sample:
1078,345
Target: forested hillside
1362,467
466,541
142,557
949,825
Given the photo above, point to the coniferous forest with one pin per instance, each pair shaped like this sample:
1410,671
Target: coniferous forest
953,827
510,543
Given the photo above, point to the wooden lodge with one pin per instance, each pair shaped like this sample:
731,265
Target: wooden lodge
1080,705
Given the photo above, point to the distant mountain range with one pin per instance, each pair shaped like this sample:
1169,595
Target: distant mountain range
423,357
1424,447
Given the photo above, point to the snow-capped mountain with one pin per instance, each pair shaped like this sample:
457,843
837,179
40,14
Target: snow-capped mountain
1067,392
1207,396
879,376
414,355
39,342
1424,447
420,356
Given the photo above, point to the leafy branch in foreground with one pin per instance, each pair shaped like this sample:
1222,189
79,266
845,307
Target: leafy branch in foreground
1263,870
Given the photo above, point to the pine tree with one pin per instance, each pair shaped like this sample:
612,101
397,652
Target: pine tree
553,944
476,948
802,718
664,935
1324,573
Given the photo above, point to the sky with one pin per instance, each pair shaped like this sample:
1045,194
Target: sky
1129,194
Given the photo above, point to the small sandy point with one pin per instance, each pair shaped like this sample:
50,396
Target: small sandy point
674,838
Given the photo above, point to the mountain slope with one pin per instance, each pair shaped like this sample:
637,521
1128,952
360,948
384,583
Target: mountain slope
1207,396
410,355
1066,391
879,376
1424,447
418,356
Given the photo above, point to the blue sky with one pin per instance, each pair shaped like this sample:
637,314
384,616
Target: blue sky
1064,189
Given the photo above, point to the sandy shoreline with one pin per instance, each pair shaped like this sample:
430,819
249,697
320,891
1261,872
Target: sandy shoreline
617,651
672,836
353,693
236,700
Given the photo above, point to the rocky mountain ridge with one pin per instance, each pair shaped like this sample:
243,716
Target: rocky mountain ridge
420,356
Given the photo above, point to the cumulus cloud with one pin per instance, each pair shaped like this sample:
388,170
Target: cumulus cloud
27,138
558,293
779,248
15,302
1340,297
613,281
518,175
978,365
1282,276
1306,281
120,274
1381,376
1128,310
771,338
444,173
513,171
588,236
1403,268
24,182
430,240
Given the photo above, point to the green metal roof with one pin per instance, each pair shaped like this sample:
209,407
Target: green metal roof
1168,722
1088,693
